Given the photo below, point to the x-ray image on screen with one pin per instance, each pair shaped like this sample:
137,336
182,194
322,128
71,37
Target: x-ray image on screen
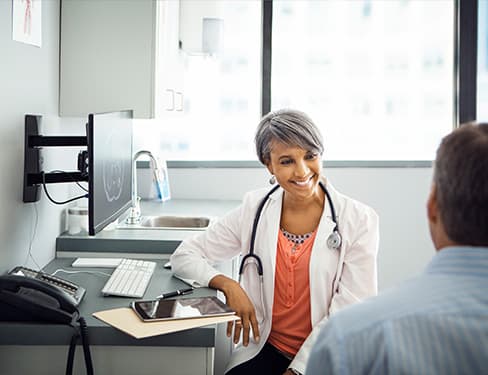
109,167
113,171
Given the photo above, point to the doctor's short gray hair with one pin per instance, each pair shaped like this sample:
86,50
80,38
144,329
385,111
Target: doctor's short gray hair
288,126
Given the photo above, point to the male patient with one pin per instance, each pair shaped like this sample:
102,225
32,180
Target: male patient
436,323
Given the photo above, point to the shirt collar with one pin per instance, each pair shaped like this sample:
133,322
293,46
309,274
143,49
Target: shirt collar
464,260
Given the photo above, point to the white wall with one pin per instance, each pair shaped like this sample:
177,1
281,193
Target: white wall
29,84
397,194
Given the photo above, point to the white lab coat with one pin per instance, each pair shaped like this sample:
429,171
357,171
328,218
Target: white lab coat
337,278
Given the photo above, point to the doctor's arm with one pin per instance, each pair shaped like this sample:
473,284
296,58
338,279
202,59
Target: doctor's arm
238,300
195,258
357,281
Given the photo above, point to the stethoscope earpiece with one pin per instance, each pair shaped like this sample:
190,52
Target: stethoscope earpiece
334,240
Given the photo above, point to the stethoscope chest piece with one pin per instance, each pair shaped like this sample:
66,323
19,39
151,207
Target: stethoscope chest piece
334,240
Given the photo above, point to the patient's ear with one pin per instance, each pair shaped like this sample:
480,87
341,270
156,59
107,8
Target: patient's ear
432,209
436,225
433,217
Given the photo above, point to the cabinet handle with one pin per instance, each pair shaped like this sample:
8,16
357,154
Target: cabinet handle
179,106
171,100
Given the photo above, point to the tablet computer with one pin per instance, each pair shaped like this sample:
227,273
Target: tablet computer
181,308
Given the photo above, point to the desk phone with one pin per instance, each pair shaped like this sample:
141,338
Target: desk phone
75,291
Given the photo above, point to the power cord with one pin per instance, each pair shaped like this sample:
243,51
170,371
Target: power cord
76,182
31,241
93,272
58,202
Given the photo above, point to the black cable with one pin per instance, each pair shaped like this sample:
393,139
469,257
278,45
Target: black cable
57,202
86,345
76,182
81,186
82,332
71,352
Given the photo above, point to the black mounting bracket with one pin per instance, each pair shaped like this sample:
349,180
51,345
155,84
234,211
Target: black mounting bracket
33,173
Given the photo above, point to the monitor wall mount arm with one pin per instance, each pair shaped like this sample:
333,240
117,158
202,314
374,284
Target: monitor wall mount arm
33,173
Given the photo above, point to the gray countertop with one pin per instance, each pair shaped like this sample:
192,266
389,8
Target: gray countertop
99,332
149,241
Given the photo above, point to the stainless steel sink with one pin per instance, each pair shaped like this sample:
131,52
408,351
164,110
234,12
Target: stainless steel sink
170,222
175,222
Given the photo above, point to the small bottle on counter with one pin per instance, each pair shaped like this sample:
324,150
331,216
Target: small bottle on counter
77,220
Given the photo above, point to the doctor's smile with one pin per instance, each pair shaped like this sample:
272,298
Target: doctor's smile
304,182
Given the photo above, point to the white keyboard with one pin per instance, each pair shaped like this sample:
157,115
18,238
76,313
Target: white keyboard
130,278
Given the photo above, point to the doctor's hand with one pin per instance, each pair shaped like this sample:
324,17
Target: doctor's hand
237,300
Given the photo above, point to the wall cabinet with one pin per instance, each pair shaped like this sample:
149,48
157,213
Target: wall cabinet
120,55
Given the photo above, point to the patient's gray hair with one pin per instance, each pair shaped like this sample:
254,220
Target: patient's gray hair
461,179
288,126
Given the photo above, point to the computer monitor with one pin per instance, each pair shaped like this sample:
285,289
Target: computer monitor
109,144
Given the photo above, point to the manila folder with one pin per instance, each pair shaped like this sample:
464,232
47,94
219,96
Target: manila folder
126,320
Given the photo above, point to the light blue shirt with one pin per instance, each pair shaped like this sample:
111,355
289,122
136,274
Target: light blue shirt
436,323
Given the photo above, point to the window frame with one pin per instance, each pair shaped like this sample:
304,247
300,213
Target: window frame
466,58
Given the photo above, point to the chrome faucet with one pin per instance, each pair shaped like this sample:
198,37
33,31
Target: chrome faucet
135,211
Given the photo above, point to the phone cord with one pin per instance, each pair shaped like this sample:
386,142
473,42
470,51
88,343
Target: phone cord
83,332
71,352
86,345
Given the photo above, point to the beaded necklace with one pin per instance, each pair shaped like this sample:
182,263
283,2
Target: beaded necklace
296,239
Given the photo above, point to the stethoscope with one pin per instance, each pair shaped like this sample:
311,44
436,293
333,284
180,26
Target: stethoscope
334,240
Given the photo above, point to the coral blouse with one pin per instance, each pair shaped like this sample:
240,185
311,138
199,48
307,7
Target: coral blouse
291,323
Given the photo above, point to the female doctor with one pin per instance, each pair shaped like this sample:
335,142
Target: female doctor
313,252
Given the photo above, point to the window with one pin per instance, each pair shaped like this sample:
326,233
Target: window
376,76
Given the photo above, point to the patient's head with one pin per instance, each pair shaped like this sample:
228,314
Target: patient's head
458,205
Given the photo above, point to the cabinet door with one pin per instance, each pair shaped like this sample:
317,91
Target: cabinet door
120,360
108,56
170,62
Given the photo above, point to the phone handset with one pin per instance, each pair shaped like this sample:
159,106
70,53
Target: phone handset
31,299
